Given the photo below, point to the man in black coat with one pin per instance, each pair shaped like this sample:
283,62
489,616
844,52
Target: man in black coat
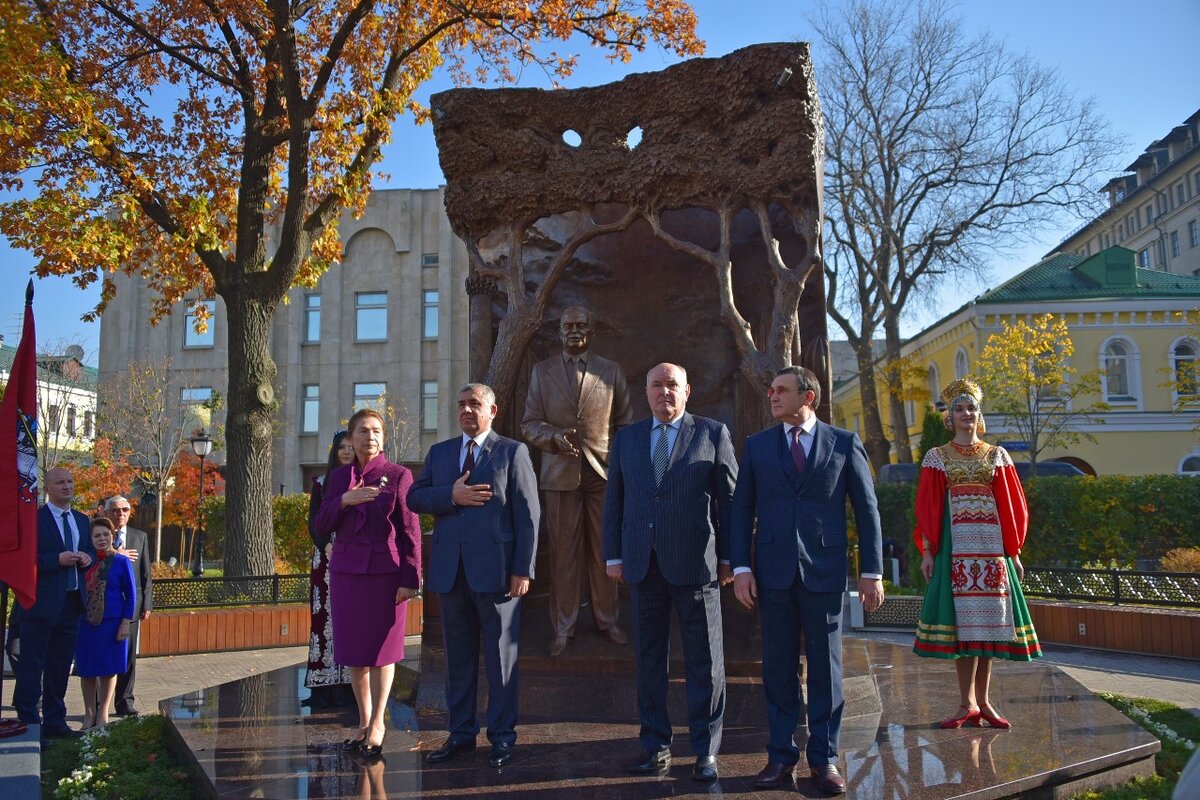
134,544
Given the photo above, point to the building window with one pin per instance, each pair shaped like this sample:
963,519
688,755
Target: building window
89,424
1144,258
1174,244
193,408
311,408
1180,197
1149,214
935,383
429,315
1184,367
1190,465
312,318
962,364
429,259
370,395
1193,233
429,405
1120,365
71,417
370,316
192,338
54,417
910,412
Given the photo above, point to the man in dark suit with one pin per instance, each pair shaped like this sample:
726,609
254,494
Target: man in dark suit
795,478
134,544
481,488
576,400
50,625
666,518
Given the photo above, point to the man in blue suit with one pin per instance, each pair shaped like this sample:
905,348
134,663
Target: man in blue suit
482,490
795,479
48,628
666,523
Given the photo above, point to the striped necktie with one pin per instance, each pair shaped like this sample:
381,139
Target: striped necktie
661,454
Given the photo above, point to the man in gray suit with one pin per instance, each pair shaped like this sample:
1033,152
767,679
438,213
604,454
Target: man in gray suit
481,488
576,400
666,527
134,545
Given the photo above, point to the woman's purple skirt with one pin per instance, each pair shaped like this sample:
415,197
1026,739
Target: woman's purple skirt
368,625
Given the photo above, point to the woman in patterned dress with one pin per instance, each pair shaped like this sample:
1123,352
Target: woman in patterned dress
324,678
971,523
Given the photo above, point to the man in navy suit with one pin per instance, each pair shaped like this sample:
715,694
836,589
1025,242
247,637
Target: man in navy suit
795,478
482,489
666,523
50,625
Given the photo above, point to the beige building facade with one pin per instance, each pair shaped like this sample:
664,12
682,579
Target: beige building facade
387,326
1154,209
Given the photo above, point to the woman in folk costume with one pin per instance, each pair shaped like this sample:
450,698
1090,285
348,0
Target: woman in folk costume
971,523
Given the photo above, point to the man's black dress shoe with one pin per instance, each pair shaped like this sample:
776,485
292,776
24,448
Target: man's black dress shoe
705,769
650,761
449,749
774,775
828,780
502,754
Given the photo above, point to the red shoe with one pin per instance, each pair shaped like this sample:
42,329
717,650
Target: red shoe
995,720
971,718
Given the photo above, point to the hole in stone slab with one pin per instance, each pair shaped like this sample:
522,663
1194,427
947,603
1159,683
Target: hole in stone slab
572,138
634,137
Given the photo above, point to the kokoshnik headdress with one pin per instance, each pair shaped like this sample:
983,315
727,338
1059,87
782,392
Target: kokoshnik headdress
962,388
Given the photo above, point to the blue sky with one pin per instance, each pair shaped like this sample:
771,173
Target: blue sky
1138,62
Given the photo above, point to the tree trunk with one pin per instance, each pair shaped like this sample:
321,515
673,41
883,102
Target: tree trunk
517,329
891,333
877,445
249,538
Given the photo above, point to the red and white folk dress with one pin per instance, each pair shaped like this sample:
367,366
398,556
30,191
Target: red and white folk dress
971,509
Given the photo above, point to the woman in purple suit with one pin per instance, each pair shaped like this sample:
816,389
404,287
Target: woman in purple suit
374,570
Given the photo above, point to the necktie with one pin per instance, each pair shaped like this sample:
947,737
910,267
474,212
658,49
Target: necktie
119,542
580,368
798,457
69,543
661,455
469,461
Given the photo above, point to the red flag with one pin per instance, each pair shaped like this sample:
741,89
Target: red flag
18,467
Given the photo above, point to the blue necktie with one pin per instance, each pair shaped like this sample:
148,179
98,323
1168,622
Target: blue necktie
69,543
661,455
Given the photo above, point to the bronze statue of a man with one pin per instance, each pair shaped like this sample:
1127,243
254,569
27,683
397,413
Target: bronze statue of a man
576,402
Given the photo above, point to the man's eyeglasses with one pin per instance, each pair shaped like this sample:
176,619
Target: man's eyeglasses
774,390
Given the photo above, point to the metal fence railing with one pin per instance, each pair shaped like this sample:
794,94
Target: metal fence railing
262,590
1134,587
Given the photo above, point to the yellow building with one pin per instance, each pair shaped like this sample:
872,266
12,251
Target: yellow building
1122,319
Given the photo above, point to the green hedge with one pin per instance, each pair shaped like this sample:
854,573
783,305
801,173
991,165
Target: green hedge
1075,521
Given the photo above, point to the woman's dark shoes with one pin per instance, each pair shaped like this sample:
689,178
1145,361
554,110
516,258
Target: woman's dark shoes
371,752
354,745
449,749
705,769
501,755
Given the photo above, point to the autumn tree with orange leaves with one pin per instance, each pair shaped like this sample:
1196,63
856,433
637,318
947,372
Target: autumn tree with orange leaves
209,146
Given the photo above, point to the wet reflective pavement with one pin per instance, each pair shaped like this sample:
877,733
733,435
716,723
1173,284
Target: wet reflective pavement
252,738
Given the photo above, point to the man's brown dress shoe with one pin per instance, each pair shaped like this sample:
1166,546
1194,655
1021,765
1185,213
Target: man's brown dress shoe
558,646
615,635
828,780
775,775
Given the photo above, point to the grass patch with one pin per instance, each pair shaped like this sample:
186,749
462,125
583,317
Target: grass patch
1178,730
128,759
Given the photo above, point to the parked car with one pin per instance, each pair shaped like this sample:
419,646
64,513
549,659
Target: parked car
907,473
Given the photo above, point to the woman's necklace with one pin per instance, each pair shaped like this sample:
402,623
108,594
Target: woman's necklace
970,449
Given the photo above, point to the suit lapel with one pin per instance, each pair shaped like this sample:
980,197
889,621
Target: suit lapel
784,453
821,449
485,452
558,376
687,429
589,380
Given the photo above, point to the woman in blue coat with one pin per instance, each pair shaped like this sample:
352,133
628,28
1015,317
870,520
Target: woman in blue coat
109,600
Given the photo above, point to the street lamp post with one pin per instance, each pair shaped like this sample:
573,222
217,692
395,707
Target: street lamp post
201,446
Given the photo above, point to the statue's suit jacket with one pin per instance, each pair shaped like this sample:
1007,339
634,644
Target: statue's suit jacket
802,520
551,406
495,540
686,518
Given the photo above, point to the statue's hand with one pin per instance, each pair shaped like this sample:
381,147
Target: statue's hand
564,442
